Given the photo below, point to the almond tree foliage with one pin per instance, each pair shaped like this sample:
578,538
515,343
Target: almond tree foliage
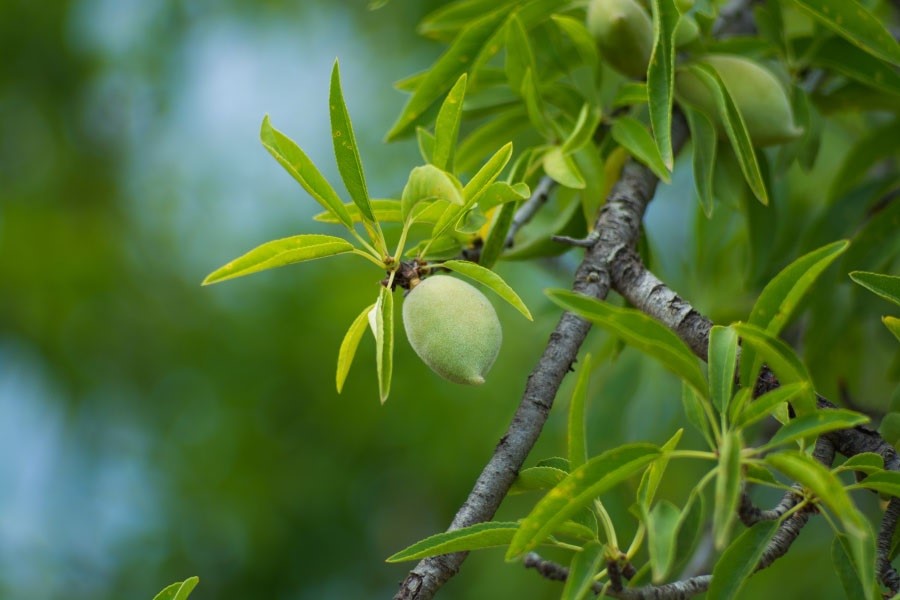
545,127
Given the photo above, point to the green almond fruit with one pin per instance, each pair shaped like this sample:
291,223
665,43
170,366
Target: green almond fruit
453,328
623,31
759,96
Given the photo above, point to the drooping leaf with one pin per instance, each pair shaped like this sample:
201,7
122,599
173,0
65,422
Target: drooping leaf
886,286
723,344
491,280
576,442
817,423
728,487
634,137
446,127
350,344
739,560
855,23
384,341
582,569
279,253
662,530
346,152
638,330
179,590
474,537
592,479
703,144
294,160
661,77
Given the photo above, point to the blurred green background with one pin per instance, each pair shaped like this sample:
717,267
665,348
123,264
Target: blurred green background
151,429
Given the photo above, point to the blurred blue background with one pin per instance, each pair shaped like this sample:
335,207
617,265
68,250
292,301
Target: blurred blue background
151,429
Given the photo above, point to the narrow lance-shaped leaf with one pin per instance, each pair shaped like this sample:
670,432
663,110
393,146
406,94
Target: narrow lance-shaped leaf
653,476
886,286
534,104
519,56
662,530
349,346
634,137
576,442
346,151
179,590
384,341
581,38
855,23
446,128
426,141
639,330
491,280
279,253
661,77
294,160
817,423
695,409
582,569
722,360
728,487
760,407
735,129
580,488
584,129
703,145
739,560
386,210
893,325
844,567
474,537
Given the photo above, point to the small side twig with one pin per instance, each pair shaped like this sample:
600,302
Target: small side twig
530,208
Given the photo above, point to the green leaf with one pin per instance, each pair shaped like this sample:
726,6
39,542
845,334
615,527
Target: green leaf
487,174
426,142
848,60
728,487
893,325
761,407
852,21
739,560
585,483
780,297
576,442
723,343
491,280
447,21
537,478
846,570
661,77
886,286
634,137
809,426
557,462
496,239
446,128
583,131
446,71
691,528
346,151
519,56
580,37
703,143
885,482
864,462
179,590
384,341
501,192
638,330
429,182
662,529
582,569
873,147
735,129
534,104
653,476
385,210
350,344
631,93
483,139
783,360
294,160
279,253
474,537
562,169
696,414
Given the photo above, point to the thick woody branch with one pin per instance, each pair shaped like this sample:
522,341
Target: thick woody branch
619,222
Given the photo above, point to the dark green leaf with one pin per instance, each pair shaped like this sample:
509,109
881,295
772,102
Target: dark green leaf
846,570
886,286
852,21
761,407
662,529
661,77
703,143
723,343
592,479
294,160
885,482
634,137
728,487
653,476
350,344
582,569
581,38
496,239
519,56
639,330
278,253
873,147
537,478
534,104
696,414
847,59
446,128
346,152
490,279
864,462
557,462
474,537
817,423
690,528
739,560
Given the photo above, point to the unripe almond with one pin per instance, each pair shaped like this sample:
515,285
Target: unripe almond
623,31
759,96
453,328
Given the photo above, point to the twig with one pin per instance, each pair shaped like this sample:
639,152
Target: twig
530,208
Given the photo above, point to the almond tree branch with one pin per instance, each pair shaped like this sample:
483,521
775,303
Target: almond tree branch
619,221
